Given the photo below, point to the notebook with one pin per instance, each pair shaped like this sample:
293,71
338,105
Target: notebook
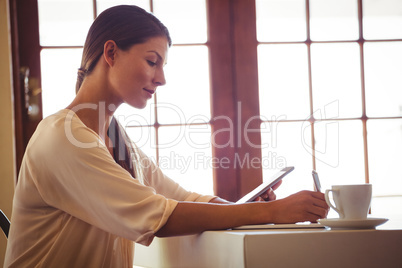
299,225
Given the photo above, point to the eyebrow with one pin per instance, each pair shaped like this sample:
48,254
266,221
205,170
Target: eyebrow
157,54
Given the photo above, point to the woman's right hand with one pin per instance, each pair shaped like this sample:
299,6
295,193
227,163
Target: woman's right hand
299,207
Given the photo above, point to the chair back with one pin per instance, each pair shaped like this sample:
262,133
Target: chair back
5,223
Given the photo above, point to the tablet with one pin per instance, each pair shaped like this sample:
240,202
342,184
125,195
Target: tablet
265,185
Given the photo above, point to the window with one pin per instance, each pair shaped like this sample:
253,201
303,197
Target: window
310,83
330,93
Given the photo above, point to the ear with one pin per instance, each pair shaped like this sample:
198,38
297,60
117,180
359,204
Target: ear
109,52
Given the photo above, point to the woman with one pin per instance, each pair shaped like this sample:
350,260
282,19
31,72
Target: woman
85,192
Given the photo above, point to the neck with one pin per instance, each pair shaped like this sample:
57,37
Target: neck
96,102
95,107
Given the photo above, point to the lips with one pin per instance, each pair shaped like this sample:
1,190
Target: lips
150,91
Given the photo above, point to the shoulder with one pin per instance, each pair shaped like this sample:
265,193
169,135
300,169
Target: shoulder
63,146
61,134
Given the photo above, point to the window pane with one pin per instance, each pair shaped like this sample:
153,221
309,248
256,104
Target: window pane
129,116
144,139
388,207
185,155
283,81
383,69
287,144
336,77
334,20
186,20
339,152
382,19
59,76
63,22
385,156
101,5
186,94
281,20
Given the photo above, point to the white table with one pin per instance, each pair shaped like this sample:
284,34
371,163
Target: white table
276,248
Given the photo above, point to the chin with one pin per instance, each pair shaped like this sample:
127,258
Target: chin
140,105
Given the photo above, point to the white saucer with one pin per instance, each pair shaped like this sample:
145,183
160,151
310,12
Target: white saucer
369,223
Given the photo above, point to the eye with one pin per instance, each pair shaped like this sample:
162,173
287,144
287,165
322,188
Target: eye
151,63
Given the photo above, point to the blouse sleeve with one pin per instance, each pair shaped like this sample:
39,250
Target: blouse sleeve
74,172
154,177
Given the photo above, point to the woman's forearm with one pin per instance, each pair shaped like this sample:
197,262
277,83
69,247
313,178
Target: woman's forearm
190,218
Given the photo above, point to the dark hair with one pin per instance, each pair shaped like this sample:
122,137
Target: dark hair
126,26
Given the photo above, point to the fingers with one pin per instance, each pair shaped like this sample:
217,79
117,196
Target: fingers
314,205
259,199
320,200
321,207
277,185
269,195
318,213
314,213
317,195
300,207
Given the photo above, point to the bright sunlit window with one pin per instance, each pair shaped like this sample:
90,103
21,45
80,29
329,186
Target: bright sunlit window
331,94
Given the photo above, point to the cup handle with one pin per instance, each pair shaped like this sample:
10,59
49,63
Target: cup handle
341,215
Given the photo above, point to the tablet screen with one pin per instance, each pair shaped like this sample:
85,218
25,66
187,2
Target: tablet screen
265,185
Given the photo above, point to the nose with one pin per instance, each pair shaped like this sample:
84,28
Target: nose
159,78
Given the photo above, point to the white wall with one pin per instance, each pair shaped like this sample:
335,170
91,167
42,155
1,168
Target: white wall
7,153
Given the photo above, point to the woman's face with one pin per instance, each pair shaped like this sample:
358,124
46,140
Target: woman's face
138,71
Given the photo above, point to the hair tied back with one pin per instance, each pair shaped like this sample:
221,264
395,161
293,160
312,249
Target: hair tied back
82,71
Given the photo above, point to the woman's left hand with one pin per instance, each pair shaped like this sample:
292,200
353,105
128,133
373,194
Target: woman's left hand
269,195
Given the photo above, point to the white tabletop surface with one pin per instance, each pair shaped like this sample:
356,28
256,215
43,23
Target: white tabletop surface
307,247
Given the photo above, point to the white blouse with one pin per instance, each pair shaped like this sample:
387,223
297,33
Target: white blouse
74,206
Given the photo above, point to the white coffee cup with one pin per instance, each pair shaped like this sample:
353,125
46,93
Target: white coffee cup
352,202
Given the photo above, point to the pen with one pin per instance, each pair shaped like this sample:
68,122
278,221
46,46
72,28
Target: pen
316,181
